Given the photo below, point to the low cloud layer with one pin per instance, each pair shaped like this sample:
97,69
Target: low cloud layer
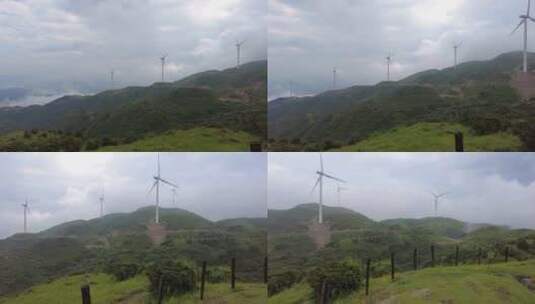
484,188
68,45
308,38
66,186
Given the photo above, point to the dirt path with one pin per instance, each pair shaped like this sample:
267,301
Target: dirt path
320,234
135,298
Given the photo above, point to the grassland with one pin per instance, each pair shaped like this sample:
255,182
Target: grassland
105,289
438,137
495,283
197,139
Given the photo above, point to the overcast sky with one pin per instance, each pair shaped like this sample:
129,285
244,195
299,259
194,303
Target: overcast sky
307,38
484,187
66,186
73,44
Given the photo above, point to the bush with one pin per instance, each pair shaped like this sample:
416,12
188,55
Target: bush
217,274
341,278
280,282
176,277
122,271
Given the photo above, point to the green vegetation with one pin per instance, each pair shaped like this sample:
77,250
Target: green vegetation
197,139
495,283
480,97
233,99
434,137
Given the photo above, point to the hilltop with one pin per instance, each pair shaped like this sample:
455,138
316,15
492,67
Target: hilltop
132,239
294,251
485,97
232,99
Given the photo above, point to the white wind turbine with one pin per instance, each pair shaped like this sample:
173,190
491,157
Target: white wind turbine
112,78
524,21
238,52
321,174
162,59
101,200
455,50
339,190
174,195
388,63
26,212
334,78
157,180
437,198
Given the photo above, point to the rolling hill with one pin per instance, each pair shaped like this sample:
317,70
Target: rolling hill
294,253
89,246
484,96
233,99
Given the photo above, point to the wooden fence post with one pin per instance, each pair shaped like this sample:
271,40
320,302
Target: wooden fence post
160,290
415,258
324,293
479,257
393,270
203,278
457,255
432,255
86,294
368,276
265,270
506,254
233,273
459,142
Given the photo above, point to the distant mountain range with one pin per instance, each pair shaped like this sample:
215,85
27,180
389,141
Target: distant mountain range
84,245
233,99
486,96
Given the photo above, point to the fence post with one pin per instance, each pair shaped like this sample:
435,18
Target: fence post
86,294
160,290
265,270
459,142
393,270
368,276
233,273
324,296
479,257
255,147
432,255
415,258
203,277
506,254
457,255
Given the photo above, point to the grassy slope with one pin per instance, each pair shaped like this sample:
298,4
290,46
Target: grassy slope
197,139
465,284
434,137
105,290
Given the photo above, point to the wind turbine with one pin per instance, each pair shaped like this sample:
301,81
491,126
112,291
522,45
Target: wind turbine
112,78
437,199
339,189
174,195
388,63
157,180
101,199
26,211
455,49
162,59
334,78
238,50
524,21
321,174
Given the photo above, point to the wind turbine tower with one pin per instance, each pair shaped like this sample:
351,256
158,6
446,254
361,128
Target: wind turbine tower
112,78
26,211
388,63
321,174
101,199
157,180
437,199
524,20
339,189
238,53
334,78
455,50
162,59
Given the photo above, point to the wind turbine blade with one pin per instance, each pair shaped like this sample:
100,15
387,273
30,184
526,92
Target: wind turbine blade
321,163
532,19
315,185
529,7
518,26
152,188
169,183
332,177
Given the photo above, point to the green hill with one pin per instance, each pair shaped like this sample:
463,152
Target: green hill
480,96
496,283
434,137
233,99
105,289
129,239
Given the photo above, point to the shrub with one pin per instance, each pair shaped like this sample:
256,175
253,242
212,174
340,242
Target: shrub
282,281
341,278
176,277
122,271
